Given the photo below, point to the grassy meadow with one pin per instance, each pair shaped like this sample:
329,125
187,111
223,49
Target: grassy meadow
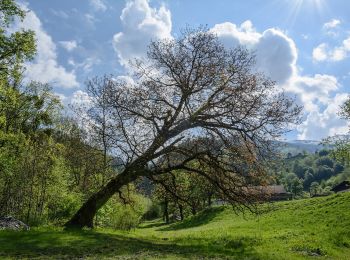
316,228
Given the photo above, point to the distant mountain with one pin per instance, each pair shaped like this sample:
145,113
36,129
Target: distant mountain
299,146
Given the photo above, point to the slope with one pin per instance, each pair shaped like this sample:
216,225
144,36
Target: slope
300,229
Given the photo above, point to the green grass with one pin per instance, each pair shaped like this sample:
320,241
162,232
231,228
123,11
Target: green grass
304,229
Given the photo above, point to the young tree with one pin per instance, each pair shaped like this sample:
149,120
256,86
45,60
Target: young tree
15,47
314,188
192,89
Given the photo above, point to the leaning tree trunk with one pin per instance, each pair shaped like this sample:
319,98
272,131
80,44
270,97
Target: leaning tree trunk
85,215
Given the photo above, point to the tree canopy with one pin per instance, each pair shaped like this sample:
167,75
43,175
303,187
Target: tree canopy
198,102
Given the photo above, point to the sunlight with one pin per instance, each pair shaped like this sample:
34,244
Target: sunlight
298,6
317,5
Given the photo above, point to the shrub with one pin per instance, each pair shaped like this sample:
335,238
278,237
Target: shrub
154,211
116,214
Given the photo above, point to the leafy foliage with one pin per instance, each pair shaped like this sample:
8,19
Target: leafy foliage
315,174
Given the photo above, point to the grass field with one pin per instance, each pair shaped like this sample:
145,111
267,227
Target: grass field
317,228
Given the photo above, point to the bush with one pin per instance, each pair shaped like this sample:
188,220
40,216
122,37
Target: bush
154,211
63,207
116,214
125,219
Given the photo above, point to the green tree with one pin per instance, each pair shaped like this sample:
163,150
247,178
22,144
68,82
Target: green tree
297,187
15,47
314,188
325,161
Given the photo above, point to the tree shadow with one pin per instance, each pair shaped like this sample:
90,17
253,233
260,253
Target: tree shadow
152,225
202,218
82,244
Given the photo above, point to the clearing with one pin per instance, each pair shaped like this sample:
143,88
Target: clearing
301,229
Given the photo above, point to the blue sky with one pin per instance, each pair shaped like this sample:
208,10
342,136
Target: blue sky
302,44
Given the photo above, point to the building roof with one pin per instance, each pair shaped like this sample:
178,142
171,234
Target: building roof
344,185
271,189
276,189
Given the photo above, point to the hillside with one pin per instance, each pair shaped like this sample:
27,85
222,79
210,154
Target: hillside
295,147
301,229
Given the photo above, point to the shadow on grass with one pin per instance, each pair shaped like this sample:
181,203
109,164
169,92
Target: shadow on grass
82,244
152,224
202,218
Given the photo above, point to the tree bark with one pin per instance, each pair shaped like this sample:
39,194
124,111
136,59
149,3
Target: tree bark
181,212
85,215
209,200
193,209
166,211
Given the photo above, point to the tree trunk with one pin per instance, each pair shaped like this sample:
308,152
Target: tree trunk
166,211
209,200
85,215
181,212
193,209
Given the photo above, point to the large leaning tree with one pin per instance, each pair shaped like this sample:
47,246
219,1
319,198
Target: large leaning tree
192,106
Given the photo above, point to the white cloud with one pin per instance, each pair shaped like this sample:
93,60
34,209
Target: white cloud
126,79
321,106
45,67
69,45
98,5
86,65
320,52
276,52
324,53
331,24
61,96
320,124
231,34
277,55
141,23
312,91
80,98
90,19
59,13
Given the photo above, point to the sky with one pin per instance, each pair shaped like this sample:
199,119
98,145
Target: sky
303,45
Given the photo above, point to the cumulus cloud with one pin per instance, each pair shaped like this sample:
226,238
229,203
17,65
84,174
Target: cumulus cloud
231,35
80,98
313,91
141,23
98,5
45,67
320,52
331,24
276,55
86,65
332,28
325,53
321,105
276,52
69,45
320,124
61,96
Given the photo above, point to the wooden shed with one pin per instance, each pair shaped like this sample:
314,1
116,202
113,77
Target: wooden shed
278,192
342,187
